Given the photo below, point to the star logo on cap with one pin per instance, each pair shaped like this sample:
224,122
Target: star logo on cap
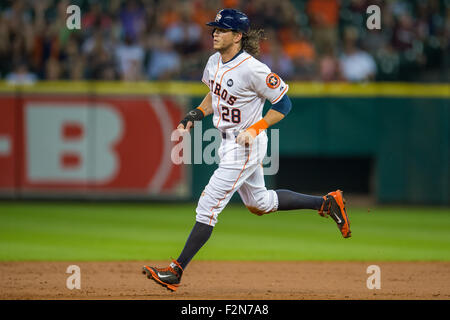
218,17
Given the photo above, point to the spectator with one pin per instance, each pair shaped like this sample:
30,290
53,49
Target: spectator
324,15
73,61
203,11
329,66
132,19
297,46
53,69
97,53
404,33
185,35
359,7
21,75
389,63
356,64
301,51
19,50
413,41
130,57
95,18
5,47
169,13
164,61
277,60
47,46
96,43
77,70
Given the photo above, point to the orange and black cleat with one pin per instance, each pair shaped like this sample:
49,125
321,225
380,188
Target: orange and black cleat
334,206
167,277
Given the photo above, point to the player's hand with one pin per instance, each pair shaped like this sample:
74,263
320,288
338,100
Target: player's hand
189,125
245,138
188,122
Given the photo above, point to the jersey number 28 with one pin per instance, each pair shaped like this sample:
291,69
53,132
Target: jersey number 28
234,117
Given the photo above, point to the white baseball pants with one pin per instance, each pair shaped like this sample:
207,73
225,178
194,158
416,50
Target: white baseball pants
240,169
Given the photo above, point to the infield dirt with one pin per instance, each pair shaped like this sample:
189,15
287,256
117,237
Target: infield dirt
230,280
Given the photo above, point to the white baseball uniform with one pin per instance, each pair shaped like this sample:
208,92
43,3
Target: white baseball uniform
239,90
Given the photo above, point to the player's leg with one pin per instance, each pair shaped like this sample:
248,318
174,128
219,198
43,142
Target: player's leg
332,204
290,200
214,198
218,193
170,277
199,235
237,164
255,195
221,187
261,201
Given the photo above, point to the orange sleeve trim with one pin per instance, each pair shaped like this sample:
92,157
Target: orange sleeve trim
200,108
274,101
258,127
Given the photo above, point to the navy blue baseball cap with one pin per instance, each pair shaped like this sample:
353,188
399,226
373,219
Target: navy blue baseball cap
231,19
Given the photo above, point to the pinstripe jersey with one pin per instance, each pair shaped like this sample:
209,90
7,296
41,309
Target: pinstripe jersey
239,90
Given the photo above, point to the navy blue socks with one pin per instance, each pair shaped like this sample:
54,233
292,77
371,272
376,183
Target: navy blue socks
199,235
289,200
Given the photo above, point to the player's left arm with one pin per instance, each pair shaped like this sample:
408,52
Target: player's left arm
275,114
278,111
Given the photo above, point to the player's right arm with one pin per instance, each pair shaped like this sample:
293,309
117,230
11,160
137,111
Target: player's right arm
274,115
197,114
270,86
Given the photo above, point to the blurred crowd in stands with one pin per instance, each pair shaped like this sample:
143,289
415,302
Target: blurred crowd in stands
307,40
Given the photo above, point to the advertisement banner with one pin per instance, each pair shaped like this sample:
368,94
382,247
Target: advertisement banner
8,151
107,146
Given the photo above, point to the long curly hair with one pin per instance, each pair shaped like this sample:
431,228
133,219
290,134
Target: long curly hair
251,39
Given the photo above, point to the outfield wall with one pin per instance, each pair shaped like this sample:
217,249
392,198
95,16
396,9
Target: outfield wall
111,140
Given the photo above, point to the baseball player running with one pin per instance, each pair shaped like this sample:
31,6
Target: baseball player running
239,86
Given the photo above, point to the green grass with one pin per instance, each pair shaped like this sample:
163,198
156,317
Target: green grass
100,232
